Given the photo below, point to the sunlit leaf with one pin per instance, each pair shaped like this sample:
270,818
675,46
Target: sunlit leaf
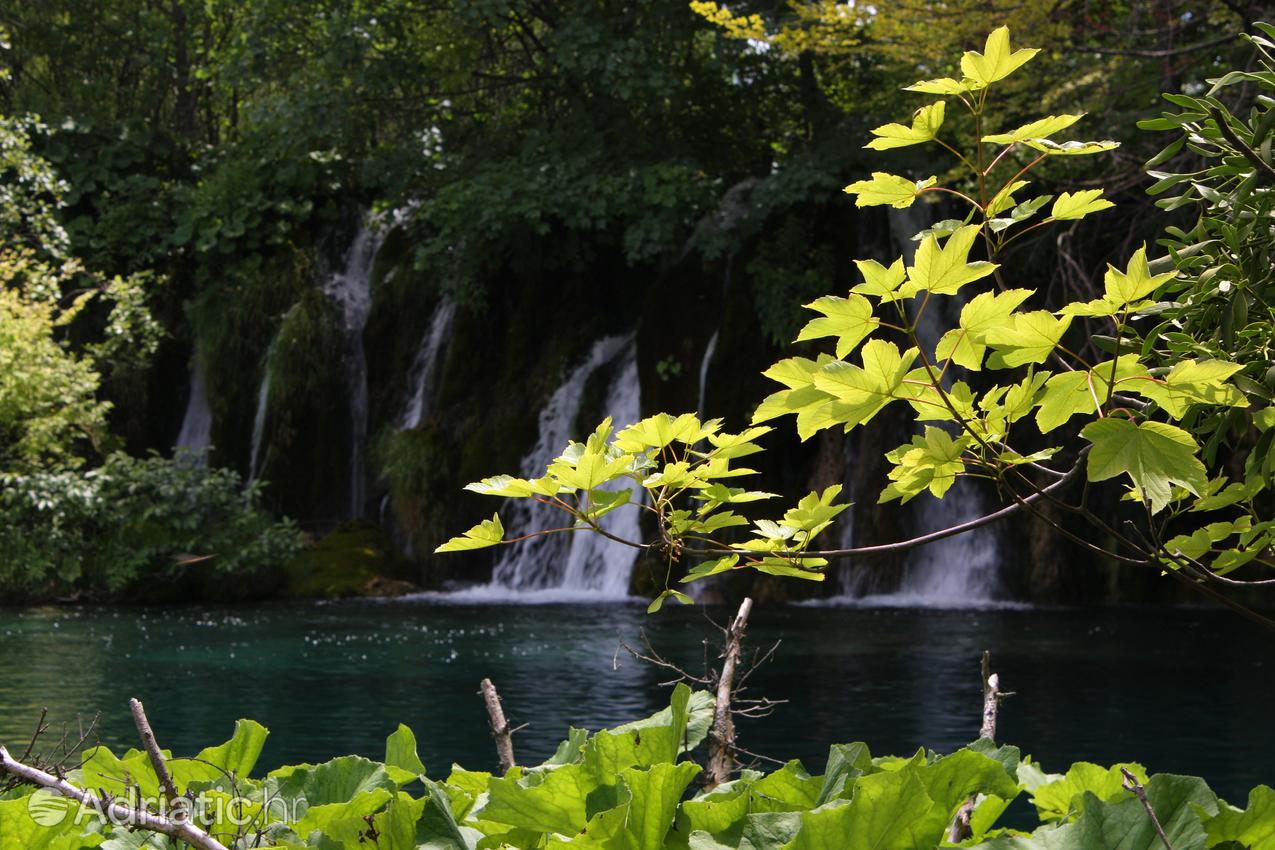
883,188
1154,456
925,126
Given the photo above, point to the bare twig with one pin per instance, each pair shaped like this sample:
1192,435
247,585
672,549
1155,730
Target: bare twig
500,729
960,828
652,657
1132,784
53,759
721,740
117,811
991,699
153,752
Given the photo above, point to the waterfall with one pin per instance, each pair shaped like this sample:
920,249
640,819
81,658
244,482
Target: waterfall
426,367
599,563
255,459
709,350
579,565
350,290
958,571
196,432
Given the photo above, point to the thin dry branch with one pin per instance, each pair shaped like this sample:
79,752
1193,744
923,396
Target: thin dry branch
721,739
1132,784
114,809
921,540
500,729
153,752
960,828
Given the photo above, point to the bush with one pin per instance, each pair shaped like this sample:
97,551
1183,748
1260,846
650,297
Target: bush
107,531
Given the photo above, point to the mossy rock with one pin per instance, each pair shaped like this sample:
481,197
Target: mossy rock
357,559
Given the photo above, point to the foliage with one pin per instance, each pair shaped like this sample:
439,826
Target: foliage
631,788
30,193
48,395
995,396
1222,302
107,530
38,264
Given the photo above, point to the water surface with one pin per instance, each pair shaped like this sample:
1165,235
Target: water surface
1181,690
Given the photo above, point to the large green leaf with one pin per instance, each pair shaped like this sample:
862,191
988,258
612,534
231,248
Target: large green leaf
883,188
966,344
850,320
789,789
489,532
1071,207
1038,129
18,830
997,61
551,800
926,122
657,739
1056,800
1154,455
861,392
943,270
1253,827
1026,338
954,778
718,810
889,811
655,793
400,751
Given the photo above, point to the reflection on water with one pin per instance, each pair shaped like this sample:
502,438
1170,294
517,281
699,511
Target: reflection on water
1181,690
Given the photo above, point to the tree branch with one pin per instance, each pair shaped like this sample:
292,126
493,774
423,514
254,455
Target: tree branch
115,810
960,828
721,740
1132,784
153,752
499,725
923,539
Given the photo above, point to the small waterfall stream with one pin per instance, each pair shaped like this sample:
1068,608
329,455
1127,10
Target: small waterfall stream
709,350
958,571
579,565
256,459
350,290
195,436
425,369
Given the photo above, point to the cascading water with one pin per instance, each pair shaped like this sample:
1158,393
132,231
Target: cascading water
350,289
595,562
957,571
709,350
196,432
581,565
256,459
425,369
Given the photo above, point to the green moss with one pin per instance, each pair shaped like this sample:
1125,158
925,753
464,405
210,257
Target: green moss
307,421
234,322
355,560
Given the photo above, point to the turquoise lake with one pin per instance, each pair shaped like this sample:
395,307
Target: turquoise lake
1181,690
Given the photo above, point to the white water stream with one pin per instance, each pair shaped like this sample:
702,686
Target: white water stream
579,565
